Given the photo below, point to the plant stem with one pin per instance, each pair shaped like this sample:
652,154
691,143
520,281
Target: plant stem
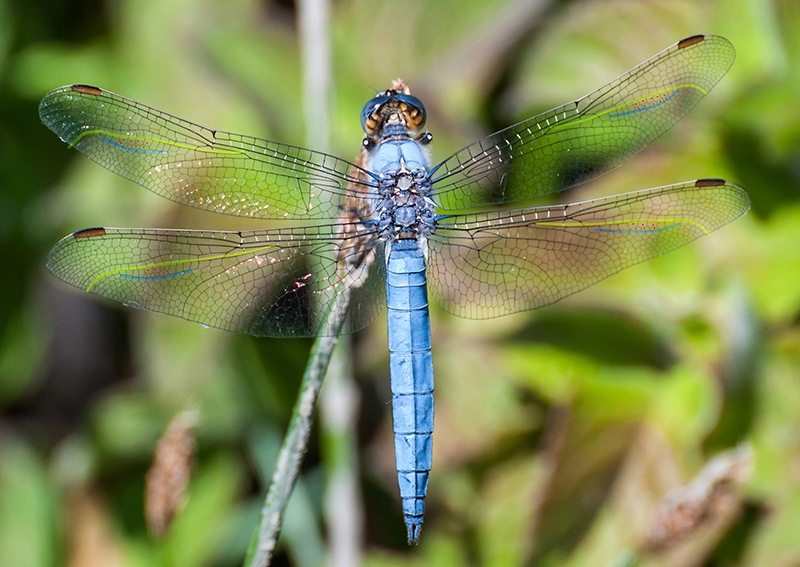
295,443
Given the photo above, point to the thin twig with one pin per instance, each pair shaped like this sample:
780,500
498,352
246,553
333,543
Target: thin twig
314,21
295,443
338,404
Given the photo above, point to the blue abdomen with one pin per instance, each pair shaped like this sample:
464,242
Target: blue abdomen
411,376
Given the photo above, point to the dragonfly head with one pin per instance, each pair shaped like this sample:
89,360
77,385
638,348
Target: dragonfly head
393,111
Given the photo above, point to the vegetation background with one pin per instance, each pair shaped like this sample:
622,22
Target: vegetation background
558,431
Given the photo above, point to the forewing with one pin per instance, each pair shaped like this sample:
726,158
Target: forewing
208,169
492,264
582,139
276,283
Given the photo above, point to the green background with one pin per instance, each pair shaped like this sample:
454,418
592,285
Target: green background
558,431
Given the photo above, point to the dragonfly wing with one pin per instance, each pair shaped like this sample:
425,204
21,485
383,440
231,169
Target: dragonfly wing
582,139
492,264
187,163
275,283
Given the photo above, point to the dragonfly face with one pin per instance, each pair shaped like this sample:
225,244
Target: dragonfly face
396,227
394,111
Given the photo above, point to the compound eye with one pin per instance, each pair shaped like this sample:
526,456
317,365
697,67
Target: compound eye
414,110
370,114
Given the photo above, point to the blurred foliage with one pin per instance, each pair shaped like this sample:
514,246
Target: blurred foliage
558,431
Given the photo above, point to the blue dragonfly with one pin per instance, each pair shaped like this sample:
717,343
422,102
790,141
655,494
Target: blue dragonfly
393,227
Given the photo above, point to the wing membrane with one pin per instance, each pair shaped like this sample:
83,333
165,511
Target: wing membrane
264,283
582,139
491,264
192,165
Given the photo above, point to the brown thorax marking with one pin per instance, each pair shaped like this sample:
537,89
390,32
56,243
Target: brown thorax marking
353,257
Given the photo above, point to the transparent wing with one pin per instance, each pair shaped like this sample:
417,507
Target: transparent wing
265,283
490,264
208,169
582,139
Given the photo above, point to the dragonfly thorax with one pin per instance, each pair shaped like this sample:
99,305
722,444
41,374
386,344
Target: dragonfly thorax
405,209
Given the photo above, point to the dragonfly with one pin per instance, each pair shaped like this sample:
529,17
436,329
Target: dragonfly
389,227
